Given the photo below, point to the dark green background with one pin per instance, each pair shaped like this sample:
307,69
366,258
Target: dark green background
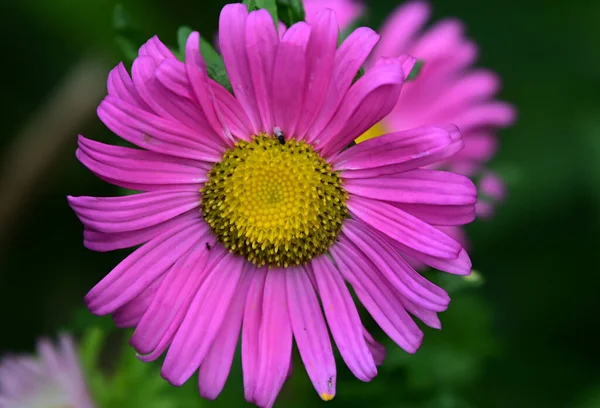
528,337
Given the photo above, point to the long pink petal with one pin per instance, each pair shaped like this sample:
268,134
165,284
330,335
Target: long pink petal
251,331
346,11
399,151
395,269
343,319
202,321
289,76
217,364
217,254
310,332
320,58
404,228
104,242
349,57
133,212
121,86
129,166
203,89
368,101
440,214
155,133
130,314
174,295
262,42
420,186
376,295
142,267
155,49
398,30
377,349
232,40
274,339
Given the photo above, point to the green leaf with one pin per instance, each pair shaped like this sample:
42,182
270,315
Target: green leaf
268,5
183,33
214,62
414,73
290,11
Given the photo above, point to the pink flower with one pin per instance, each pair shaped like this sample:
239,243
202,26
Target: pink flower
51,379
254,215
447,90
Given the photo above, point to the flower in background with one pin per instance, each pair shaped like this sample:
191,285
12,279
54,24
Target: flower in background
447,89
254,215
52,379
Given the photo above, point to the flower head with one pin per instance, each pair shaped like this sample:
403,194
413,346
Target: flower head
52,379
254,214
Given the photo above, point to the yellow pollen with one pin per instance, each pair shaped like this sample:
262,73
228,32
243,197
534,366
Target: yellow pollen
375,131
276,204
327,397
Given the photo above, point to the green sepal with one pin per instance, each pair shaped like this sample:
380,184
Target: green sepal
268,5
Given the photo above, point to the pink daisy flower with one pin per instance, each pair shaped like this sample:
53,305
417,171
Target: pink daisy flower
447,90
51,379
254,215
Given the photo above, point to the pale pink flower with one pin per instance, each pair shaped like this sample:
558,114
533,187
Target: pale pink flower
50,379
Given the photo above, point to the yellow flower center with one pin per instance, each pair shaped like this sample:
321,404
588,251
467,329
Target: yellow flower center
275,203
375,131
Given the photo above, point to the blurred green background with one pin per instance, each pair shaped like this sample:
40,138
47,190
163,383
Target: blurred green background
528,337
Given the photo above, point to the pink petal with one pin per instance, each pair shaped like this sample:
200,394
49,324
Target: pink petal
129,314
310,332
203,89
142,267
368,101
173,75
155,49
479,146
346,11
217,364
217,254
349,57
404,228
155,133
377,350
289,76
343,319
232,40
133,167
104,242
399,151
274,339
250,333
262,42
173,297
419,186
395,269
440,214
121,86
496,114
492,186
377,295
133,212
157,85
320,58
398,31
202,321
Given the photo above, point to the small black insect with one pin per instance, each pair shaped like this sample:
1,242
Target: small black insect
330,383
279,134
208,246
